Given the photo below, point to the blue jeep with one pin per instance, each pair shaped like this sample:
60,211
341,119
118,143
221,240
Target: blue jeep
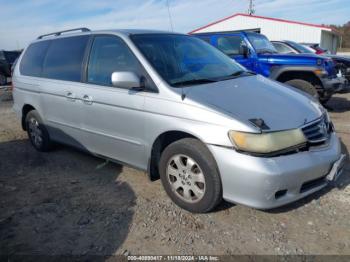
313,74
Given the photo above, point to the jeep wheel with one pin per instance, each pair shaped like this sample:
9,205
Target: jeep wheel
303,86
3,80
190,176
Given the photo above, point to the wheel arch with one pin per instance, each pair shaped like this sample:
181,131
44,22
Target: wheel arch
286,74
159,144
25,110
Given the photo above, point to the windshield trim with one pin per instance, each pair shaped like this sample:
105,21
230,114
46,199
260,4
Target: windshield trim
258,50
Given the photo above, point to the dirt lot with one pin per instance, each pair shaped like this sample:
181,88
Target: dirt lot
68,202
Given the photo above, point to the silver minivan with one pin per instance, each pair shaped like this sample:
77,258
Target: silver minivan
176,107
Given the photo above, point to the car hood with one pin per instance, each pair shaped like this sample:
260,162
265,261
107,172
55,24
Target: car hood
291,59
340,58
255,97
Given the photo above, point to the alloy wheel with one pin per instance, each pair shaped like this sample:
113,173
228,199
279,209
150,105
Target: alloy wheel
36,135
186,178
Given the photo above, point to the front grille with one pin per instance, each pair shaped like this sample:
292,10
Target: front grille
317,131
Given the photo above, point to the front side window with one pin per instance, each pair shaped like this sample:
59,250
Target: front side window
183,60
64,58
283,49
109,54
231,45
33,58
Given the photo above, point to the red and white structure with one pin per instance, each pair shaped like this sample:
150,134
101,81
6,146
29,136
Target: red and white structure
276,29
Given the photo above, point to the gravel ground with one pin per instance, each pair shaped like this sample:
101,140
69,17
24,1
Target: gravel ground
68,202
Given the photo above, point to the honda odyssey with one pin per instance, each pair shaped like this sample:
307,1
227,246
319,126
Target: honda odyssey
178,108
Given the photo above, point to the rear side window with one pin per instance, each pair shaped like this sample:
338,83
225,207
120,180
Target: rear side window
110,54
230,45
32,61
64,58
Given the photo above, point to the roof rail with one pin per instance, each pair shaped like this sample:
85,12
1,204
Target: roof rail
83,29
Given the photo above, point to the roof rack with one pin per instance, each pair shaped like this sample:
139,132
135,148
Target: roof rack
252,30
82,29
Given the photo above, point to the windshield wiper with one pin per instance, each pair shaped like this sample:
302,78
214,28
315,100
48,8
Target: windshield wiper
193,82
243,72
237,74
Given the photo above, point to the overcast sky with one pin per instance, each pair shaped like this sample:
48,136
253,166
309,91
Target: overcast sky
23,20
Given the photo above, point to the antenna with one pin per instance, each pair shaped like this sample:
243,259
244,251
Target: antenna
251,10
170,19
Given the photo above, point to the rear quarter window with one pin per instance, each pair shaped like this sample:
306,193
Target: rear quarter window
64,58
205,39
32,61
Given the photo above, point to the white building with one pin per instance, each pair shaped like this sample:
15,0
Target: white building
276,29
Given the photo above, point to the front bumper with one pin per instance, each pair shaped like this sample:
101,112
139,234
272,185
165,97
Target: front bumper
266,183
334,85
346,88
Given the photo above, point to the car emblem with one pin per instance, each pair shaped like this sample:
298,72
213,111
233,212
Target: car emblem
323,128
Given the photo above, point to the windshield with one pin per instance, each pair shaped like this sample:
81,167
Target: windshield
300,48
11,56
184,60
261,44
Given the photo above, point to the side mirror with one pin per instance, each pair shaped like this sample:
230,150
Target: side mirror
126,80
245,51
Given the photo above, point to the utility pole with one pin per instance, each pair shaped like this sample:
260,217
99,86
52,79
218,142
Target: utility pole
169,15
251,10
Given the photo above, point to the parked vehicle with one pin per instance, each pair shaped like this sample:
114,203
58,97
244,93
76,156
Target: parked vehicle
319,50
290,47
342,64
180,109
310,73
6,60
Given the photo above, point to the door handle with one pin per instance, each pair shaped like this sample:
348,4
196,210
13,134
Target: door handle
70,96
87,99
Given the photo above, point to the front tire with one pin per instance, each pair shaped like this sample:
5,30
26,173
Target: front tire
325,98
37,132
190,176
303,86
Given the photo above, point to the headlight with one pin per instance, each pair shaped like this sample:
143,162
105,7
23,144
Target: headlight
319,62
328,118
267,142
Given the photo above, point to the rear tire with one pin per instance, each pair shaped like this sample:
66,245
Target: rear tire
37,132
190,176
303,86
3,80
